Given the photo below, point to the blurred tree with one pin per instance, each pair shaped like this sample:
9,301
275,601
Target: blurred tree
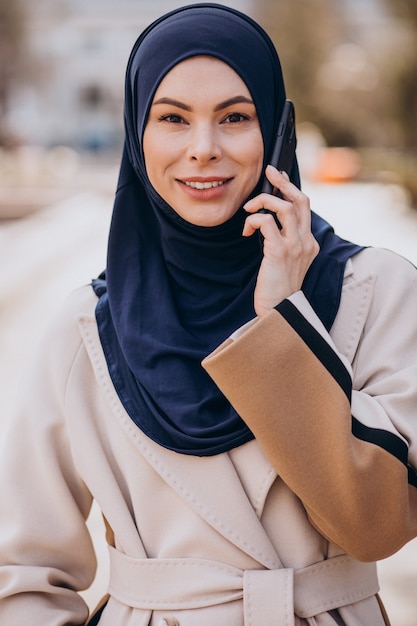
406,9
302,47
328,72
12,45
403,72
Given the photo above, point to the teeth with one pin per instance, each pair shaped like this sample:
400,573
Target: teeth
196,185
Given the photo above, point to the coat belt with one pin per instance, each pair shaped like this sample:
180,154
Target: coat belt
269,596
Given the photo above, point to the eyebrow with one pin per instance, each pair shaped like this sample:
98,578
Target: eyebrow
219,107
232,101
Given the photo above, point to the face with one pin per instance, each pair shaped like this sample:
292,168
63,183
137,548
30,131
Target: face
202,142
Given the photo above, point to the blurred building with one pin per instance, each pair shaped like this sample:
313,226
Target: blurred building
79,50
372,22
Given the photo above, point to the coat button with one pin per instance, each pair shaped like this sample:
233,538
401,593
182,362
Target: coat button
167,621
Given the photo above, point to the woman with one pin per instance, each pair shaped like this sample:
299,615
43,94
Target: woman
239,399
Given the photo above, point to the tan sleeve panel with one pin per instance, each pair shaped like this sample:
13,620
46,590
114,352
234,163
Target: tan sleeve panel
355,493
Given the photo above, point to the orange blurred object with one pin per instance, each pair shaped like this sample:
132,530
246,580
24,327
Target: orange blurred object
336,165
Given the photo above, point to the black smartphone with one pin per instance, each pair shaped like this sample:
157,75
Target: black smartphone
283,150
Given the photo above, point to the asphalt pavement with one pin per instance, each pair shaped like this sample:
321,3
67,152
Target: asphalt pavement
54,249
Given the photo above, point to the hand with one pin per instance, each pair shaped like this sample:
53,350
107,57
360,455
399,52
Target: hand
289,252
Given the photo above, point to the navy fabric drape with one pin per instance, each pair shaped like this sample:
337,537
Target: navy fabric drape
173,291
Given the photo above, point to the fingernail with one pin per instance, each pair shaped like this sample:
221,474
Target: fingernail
285,175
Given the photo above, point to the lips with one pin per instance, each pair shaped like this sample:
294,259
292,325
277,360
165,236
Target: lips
204,185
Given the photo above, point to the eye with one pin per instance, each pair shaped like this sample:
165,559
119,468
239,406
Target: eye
172,118
235,118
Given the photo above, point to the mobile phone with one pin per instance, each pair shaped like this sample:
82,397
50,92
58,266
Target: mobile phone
283,150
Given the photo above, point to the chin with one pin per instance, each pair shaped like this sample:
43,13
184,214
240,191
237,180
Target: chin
208,218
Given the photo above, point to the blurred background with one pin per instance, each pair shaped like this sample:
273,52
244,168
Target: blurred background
350,66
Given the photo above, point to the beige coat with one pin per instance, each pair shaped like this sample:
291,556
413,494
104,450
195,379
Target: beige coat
221,540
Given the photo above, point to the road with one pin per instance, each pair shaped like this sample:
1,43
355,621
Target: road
53,250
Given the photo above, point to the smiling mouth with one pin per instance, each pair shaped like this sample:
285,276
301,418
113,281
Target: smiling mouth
205,185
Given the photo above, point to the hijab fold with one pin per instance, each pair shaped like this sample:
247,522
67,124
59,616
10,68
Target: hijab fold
173,291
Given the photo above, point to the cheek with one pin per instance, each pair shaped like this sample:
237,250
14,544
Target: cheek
254,156
147,148
154,150
160,153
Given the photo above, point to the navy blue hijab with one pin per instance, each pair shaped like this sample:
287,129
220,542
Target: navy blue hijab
173,291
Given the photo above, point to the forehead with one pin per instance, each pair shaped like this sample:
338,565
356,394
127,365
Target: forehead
201,75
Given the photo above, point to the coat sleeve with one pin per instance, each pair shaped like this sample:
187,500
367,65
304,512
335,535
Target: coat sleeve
46,553
342,436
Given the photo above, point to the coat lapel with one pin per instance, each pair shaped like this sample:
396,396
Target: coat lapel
210,485
356,300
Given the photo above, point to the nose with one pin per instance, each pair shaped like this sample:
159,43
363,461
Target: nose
204,145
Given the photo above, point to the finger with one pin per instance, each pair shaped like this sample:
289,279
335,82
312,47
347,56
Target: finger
263,201
291,193
271,218
264,222
281,181
283,212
